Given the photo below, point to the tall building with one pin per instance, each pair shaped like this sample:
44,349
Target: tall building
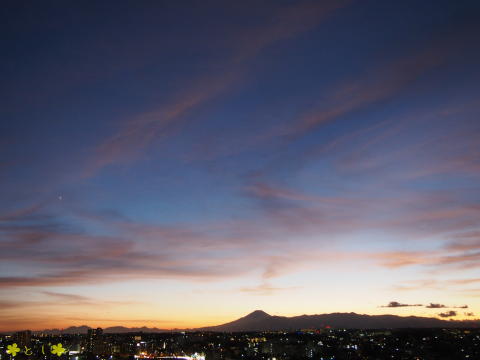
94,340
23,338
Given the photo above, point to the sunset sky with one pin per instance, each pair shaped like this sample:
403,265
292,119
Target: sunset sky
182,163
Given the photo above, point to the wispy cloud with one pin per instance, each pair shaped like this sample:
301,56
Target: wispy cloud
67,297
55,299
69,255
382,82
137,133
266,289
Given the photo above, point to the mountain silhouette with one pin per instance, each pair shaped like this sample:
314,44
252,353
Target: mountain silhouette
261,321
109,330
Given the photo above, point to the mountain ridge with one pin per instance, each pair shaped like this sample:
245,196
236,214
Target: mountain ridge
335,320
259,320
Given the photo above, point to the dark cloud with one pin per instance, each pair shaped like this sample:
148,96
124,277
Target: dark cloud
396,304
440,306
435,306
447,314
469,314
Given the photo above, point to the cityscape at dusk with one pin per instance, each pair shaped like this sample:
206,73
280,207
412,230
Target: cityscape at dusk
168,168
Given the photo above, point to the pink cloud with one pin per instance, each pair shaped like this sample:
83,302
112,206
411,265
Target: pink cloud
137,133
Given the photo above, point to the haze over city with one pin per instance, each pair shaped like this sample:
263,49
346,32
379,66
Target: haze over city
182,164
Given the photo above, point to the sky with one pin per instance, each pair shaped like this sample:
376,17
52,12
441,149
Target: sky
181,164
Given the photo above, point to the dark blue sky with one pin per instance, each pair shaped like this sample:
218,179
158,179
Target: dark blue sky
241,148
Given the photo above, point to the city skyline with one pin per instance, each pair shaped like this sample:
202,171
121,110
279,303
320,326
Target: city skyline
179,165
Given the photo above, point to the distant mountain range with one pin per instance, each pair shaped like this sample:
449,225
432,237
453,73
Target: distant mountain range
261,321
110,330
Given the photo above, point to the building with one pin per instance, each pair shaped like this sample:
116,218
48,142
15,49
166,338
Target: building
23,338
95,341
